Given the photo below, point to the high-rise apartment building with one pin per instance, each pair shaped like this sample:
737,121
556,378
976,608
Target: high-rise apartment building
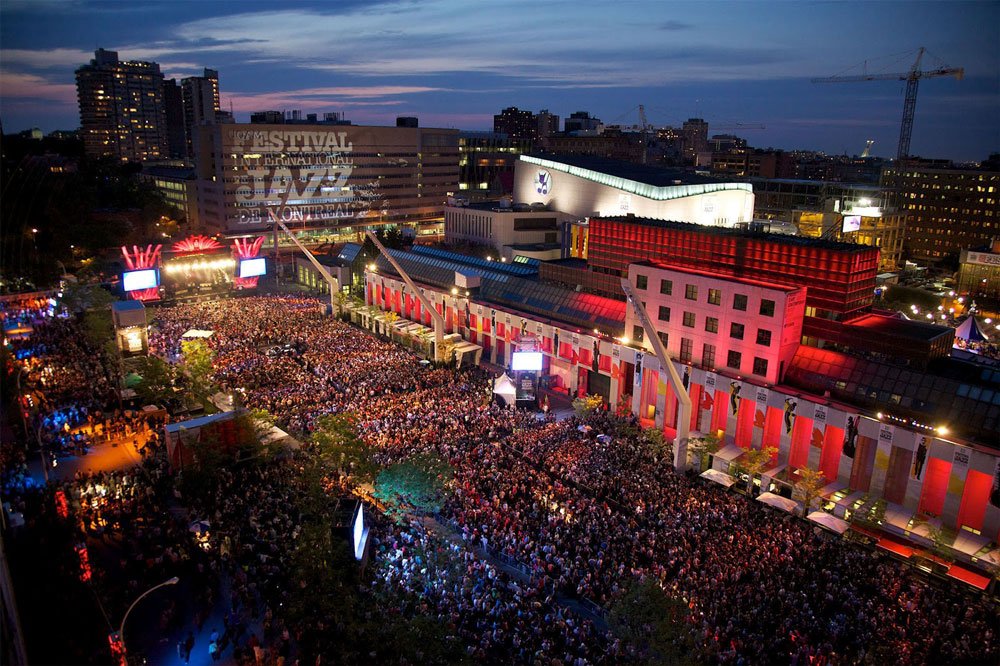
122,112
948,210
516,124
173,107
695,131
548,123
581,121
201,105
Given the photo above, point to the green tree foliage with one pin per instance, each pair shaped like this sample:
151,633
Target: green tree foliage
79,298
196,364
586,405
338,447
157,379
418,484
810,482
657,442
651,622
756,461
700,448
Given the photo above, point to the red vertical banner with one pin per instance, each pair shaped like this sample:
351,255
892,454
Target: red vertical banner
773,424
798,456
720,413
974,499
744,422
694,390
935,486
833,446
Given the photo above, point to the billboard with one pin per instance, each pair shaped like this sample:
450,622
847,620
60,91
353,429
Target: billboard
252,267
145,279
852,223
527,361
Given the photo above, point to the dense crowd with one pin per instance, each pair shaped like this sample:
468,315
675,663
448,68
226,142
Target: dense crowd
581,517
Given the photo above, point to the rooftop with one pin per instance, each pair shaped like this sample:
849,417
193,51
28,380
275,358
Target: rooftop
896,327
784,239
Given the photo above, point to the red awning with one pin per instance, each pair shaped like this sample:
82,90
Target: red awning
970,577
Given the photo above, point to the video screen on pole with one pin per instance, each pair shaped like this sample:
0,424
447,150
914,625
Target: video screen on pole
253,267
852,223
526,361
144,279
359,532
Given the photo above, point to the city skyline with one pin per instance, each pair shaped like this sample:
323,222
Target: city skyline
453,66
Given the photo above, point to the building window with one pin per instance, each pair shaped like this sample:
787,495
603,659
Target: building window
740,302
736,331
760,367
715,297
664,314
691,292
663,338
733,359
711,324
763,337
767,308
666,287
708,356
637,333
641,281
689,319
686,347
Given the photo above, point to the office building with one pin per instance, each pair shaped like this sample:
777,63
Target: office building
582,122
323,179
695,132
751,327
122,111
609,144
486,164
548,123
179,188
979,273
511,230
407,121
201,105
850,212
516,124
947,209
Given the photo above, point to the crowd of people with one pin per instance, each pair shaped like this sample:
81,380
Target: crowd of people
582,517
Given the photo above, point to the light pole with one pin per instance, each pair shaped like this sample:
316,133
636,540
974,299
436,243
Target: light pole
121,629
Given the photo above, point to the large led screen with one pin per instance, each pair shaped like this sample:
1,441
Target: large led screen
253,267
526,361
144,279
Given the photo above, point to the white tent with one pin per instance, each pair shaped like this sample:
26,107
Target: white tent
719,477
505,389
779,502
829,521
197,333
969,330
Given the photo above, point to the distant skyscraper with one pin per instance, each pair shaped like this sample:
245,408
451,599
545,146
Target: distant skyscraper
122,113
695,131
516,124
581,121
407,121
201,105
548,123
173,105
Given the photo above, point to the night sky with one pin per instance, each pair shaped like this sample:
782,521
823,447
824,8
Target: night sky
454,63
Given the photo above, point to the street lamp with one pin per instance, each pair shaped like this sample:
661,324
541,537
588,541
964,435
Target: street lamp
121,629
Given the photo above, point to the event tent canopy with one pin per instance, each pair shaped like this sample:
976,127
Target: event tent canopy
969,330
779,502
505,388
719,477
828,521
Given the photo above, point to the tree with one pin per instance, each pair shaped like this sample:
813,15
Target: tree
338,446
196,363
651,623
701,448
157,379
586,405
756,461
418,484
81,297
657,442
810,482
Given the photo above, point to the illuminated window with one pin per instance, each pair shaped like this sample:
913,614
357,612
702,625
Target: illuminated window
715,296
740,302
708,356
686,346
689,319
691,292
711,324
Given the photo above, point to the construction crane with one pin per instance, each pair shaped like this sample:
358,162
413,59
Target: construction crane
868,147
644,128
912,79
